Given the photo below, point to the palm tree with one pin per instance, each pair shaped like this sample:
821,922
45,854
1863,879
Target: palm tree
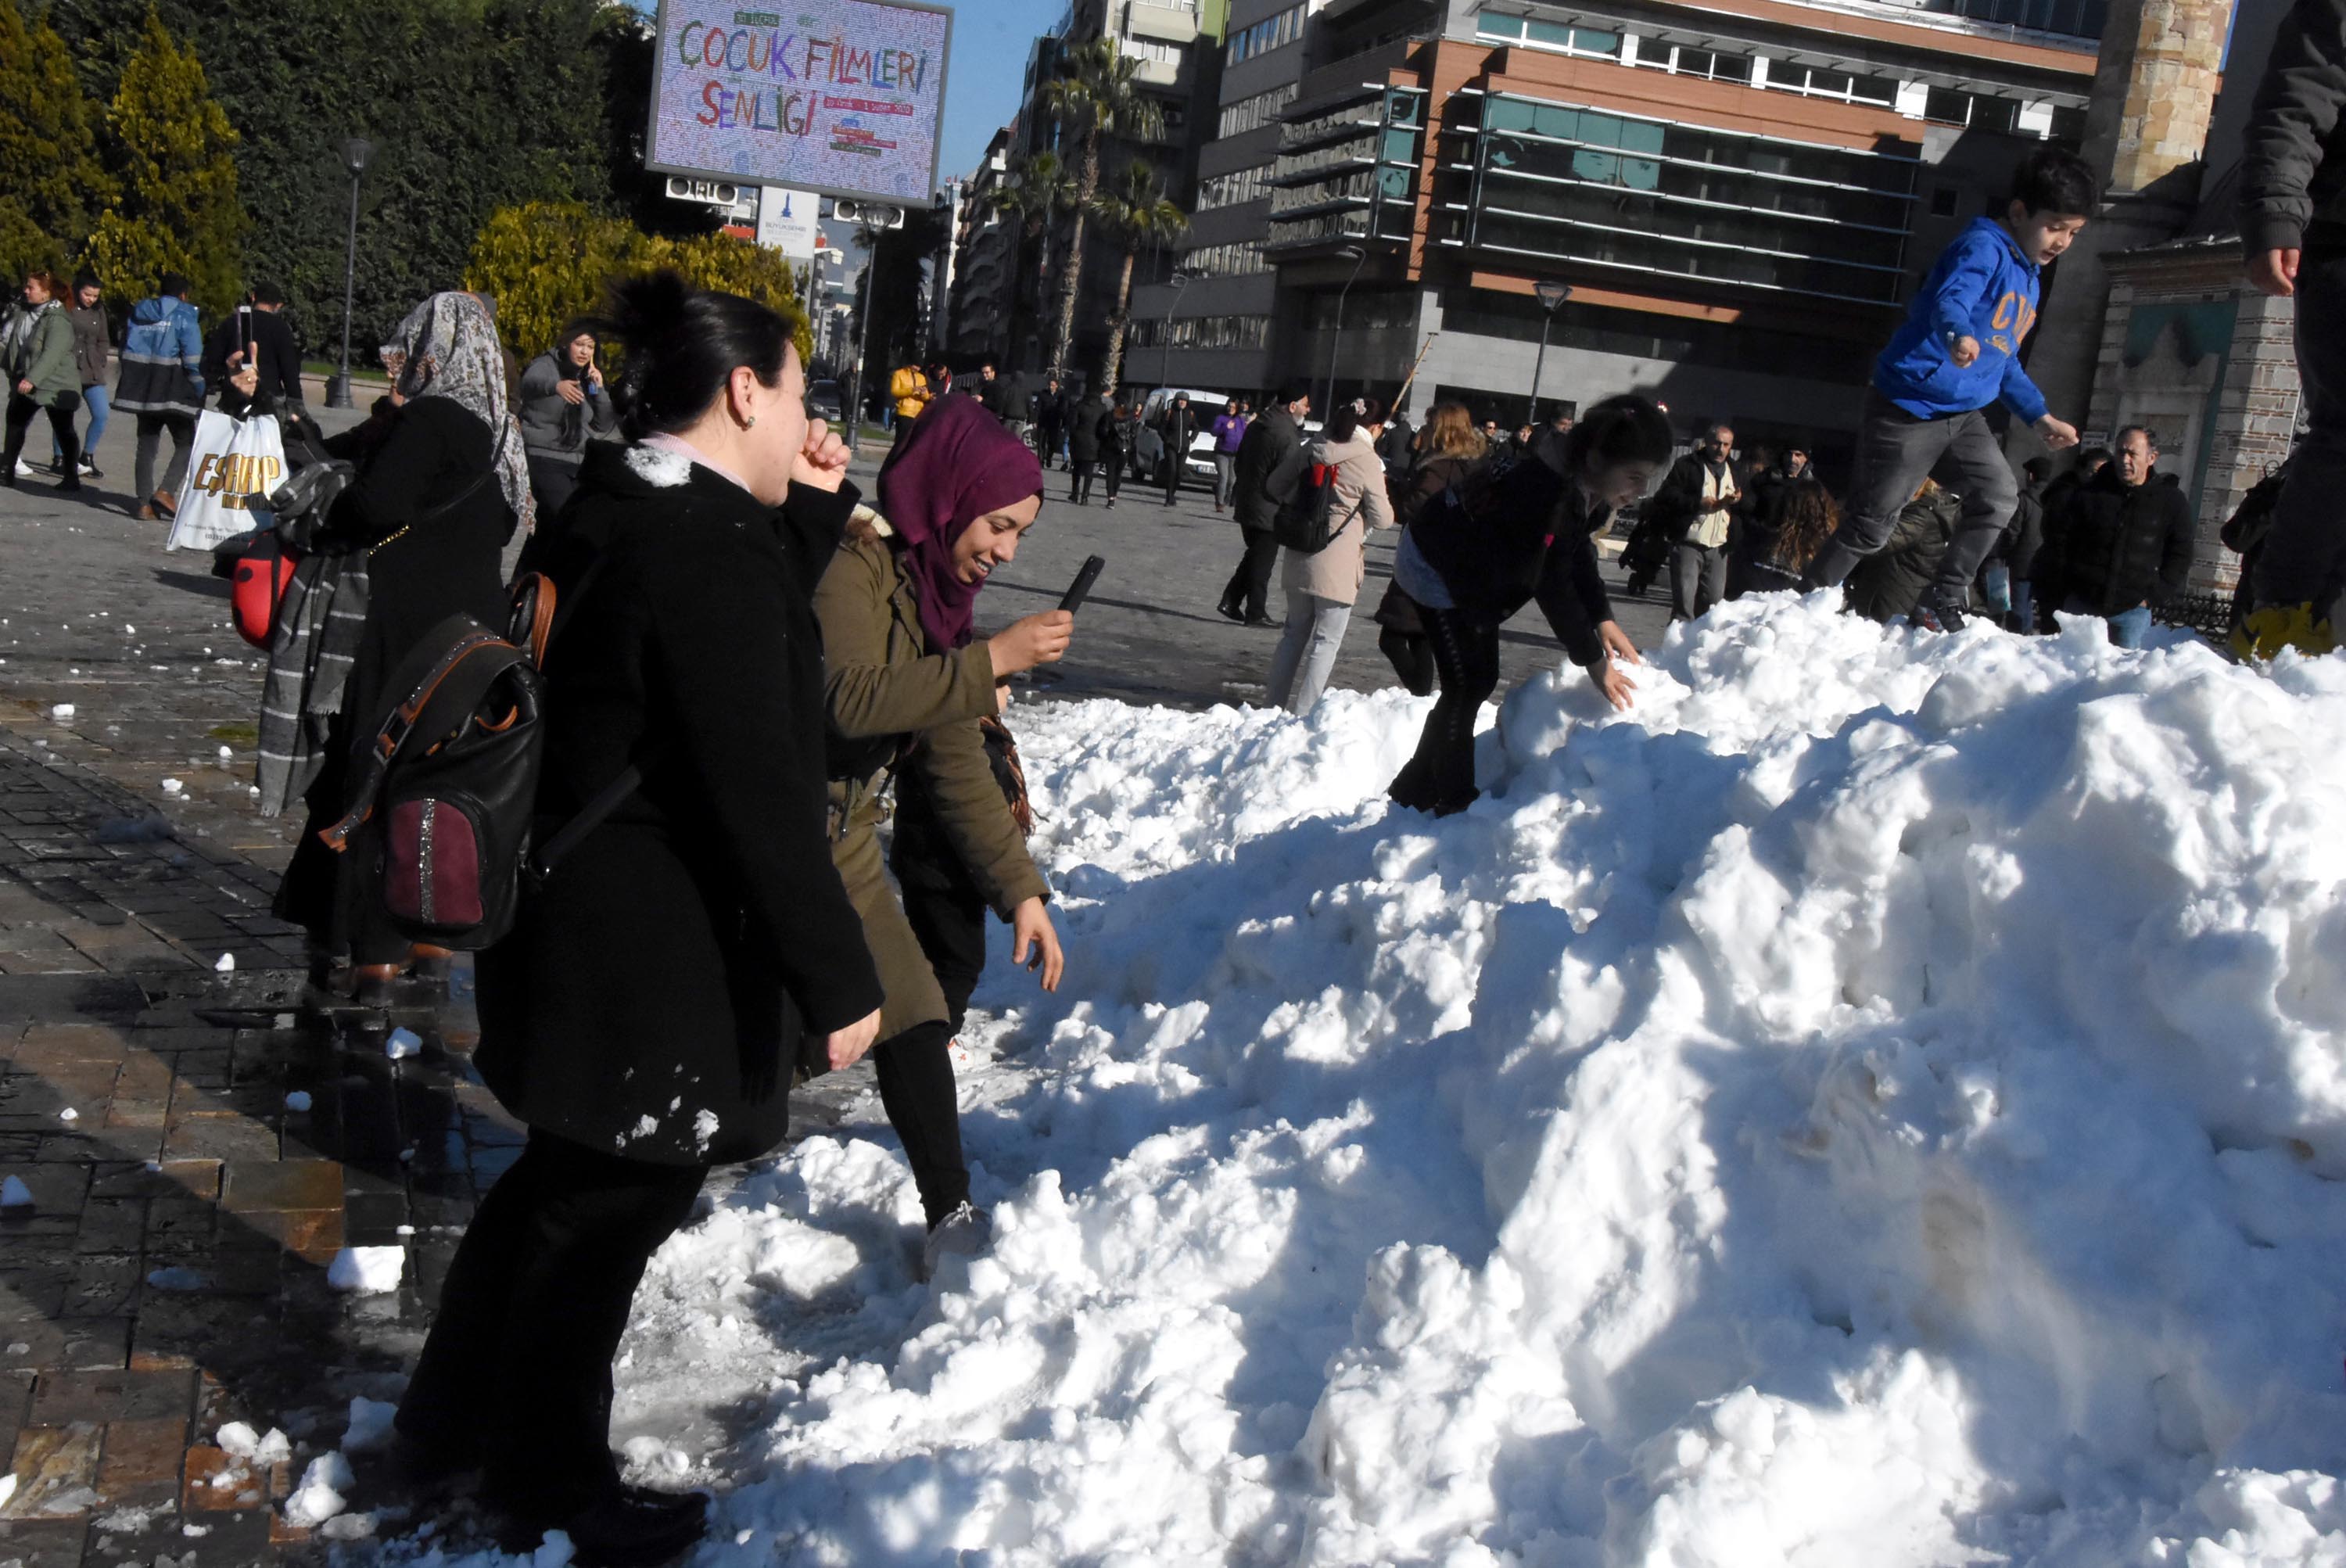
1037,192
1135,212
1097,95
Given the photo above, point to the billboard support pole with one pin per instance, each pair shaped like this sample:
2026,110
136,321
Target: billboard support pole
862,340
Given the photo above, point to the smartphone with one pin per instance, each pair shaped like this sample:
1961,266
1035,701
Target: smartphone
1082,586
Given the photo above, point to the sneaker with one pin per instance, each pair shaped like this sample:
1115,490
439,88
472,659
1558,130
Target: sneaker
24,468
1936,613
964,1232
91,469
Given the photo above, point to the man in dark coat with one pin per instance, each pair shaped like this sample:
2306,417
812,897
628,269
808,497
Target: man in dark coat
1179,428
251,359
993,392
2122,545
1269,469
1396,448
1695,508
1050,421
1084,446
2293,215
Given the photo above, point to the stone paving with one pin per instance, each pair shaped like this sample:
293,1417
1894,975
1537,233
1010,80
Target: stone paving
193,1158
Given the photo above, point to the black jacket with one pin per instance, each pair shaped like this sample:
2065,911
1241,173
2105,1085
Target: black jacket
1523,532
1887,583
2116,545
1179,425
1268,469
2293,171
2023,537
1051,410
651,1000
994,396
1393,447
267,342
1088,431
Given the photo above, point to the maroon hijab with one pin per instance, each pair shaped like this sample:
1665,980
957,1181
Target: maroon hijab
954,465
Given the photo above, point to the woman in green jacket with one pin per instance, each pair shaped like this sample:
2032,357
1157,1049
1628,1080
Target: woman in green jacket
906,687
36,355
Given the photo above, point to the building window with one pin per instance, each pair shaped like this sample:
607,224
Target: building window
1559,180
1224,260
1202,332
1555,36
1270,33
1229,190
1845,86
1262,109
2076,18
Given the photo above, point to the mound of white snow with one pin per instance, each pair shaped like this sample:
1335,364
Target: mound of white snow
1879,1103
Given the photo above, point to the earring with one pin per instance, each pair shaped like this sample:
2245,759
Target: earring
749,421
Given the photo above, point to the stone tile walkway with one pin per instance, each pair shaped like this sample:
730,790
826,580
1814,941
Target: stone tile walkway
193,1162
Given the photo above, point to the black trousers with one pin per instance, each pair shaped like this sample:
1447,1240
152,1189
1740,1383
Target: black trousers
1251,583
948,915
1079,478
1174,462
21,409
1112,467
517,1368
2304,556
1440,776
1411,657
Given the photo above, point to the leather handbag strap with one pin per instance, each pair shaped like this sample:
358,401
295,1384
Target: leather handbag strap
437,705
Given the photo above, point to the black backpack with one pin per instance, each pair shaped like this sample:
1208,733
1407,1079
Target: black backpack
442,798
1305,521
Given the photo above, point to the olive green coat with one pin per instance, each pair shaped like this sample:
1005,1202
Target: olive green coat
43,355
892,704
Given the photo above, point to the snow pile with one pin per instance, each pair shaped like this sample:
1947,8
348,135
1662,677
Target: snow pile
1880,1103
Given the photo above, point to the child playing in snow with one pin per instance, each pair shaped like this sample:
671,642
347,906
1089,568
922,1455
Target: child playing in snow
1956,355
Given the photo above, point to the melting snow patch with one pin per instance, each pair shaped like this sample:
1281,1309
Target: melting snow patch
367,1270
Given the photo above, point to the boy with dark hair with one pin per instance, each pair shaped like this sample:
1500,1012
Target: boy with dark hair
1957,354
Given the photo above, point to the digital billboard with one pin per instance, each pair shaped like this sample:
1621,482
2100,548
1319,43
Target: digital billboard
840,97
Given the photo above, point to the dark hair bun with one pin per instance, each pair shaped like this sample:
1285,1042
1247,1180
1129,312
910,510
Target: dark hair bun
682,345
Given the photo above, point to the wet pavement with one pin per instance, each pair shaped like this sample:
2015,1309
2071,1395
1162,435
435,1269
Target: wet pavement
193,1156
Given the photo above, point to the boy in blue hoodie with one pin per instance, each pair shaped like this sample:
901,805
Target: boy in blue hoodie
1957,353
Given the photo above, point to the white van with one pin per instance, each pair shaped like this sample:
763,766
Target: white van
1148,456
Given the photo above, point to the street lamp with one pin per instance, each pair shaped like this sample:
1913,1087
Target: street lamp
356,152
1359,259
1551,295
1180,280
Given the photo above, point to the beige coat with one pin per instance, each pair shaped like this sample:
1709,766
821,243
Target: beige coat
1361,503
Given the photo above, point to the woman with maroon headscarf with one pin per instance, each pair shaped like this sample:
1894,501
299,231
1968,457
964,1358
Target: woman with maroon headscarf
910,694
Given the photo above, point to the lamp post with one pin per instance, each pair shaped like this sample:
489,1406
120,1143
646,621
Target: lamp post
356,152
1180,280
870,237
1551,295
1359,257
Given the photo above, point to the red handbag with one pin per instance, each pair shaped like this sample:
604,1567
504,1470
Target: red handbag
257,586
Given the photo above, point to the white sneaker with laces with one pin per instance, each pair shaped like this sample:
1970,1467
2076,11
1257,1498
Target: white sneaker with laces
966,1232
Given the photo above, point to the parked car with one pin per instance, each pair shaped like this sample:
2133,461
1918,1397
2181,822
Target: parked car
826,400
1148,456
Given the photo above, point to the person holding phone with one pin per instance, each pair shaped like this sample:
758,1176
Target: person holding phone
910,694
563,406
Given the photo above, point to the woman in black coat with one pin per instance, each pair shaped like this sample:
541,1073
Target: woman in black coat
1487,548
645,1015
440,488
1085,433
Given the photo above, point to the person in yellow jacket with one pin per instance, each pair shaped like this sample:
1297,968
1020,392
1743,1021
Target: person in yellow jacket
910,387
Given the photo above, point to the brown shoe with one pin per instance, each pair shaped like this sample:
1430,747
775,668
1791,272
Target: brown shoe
164,505
145,514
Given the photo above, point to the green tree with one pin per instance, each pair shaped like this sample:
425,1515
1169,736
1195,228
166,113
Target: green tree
1135,212
550,262
175,208
1038,192
51,185
1097,96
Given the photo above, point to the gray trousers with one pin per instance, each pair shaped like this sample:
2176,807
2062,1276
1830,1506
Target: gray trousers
2304,558
1895,453
152,428
1308,648
1698,578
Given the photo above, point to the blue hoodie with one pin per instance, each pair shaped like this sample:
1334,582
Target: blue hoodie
1984,288
162,359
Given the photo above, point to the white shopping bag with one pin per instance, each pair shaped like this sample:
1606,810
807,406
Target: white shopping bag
232,461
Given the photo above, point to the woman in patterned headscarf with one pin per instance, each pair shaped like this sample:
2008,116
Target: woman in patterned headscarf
441,487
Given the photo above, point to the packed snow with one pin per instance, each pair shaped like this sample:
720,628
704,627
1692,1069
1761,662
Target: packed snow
1878,1102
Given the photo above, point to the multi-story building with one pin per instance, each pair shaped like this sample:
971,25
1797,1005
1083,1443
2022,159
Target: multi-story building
1006,299
1738,194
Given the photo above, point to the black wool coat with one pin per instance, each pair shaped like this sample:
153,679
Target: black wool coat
1092,416
2117,545
1516,533
652,1000
1268,469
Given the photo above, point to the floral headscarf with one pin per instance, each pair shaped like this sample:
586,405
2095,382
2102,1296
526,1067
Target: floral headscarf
448,348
